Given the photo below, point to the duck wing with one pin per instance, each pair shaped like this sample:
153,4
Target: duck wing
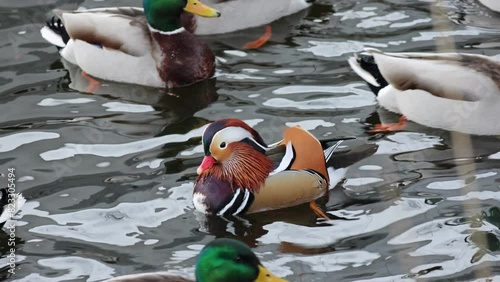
122,28
108,43
456,76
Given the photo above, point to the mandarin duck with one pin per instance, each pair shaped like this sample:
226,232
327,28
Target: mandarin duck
10,204
222,260
137,46
237,174
452,91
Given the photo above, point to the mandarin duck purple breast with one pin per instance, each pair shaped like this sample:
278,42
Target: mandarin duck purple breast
238,176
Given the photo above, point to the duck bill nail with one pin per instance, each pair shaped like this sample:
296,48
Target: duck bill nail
267,276
197,8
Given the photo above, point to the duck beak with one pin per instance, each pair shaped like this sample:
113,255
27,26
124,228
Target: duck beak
197,8
208,162
266,276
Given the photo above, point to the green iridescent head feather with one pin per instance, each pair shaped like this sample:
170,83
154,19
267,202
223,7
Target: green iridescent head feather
164,15
225,260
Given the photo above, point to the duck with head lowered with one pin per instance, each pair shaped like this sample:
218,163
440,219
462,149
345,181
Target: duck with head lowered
239,174
452,91
222,260
138,46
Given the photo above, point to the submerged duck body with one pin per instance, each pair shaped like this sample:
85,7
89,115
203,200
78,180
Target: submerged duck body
131,45
238,175
222,260
451,91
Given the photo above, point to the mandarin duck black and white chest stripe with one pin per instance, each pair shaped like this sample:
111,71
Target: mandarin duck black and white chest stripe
452,91
237,176
10,204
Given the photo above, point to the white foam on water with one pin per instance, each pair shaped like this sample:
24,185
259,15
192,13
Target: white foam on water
355,97
370,167
236,53
337,49
402,142
457,183
101,225
447,241
311,124
366,222
74,269
51,102
362,181
127,107
16,140
382,20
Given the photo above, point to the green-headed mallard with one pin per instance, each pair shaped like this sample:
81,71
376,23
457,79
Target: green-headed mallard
131,45
222,260
452,91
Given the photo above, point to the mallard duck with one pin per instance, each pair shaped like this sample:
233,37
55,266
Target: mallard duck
493,5
10,204
256,13
238,173
222,260
451,91
131,45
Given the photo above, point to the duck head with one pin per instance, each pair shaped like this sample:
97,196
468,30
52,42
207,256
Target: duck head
235,154
165,15
227,260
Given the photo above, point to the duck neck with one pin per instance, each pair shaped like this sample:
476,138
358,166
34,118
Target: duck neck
163,16
245,168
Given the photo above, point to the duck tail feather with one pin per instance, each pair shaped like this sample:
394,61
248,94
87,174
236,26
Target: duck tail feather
364,65
55,32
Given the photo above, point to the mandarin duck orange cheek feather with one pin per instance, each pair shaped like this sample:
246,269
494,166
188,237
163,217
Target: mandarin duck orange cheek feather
236,175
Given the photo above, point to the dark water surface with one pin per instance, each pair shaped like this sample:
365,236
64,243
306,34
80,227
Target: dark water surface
109,177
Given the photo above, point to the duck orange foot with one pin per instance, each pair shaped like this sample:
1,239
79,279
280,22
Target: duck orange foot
261,41
390,127
317,210
93,84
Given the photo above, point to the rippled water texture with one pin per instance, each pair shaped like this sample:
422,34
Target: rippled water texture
109,177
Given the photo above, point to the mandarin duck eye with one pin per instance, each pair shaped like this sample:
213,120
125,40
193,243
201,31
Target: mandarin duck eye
222,145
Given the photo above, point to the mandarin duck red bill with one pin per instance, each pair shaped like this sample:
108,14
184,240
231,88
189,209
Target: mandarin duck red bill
237,175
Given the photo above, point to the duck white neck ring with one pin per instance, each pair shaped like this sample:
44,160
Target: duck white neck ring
176,31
